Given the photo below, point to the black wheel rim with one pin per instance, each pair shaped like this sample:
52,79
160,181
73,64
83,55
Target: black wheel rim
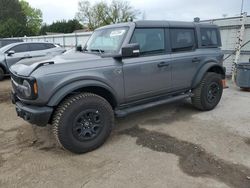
213,92
87,125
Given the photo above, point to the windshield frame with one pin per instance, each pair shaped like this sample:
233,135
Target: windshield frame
100,50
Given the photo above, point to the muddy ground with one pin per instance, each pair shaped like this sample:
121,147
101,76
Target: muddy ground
169,146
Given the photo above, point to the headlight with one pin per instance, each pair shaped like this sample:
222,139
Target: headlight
27,88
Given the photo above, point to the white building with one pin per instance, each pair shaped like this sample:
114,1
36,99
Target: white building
230,30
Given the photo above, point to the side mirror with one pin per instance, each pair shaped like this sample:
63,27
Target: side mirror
131,50
10,53
79,48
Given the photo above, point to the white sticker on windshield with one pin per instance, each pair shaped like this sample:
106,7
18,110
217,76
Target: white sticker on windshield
117,33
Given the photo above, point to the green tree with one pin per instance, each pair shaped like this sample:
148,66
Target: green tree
11,9
11,28
33,18
102,13
18,18
61,27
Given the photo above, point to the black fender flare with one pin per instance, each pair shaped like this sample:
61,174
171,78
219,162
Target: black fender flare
206,68
61,93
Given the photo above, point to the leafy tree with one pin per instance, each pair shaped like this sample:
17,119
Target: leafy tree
102,13
11,9
18,18
11,28
33,18
62,27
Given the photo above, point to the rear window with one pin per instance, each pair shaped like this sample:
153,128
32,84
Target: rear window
209,37
182,39
49,45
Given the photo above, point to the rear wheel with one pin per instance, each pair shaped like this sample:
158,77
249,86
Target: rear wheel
83,122
208,93
1,74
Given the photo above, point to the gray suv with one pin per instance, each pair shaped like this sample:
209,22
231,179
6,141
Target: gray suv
12,53
123,68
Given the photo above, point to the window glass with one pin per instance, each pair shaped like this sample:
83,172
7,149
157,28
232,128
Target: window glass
150,40
106,40
37,46
182,39
209,37
20,48
49,45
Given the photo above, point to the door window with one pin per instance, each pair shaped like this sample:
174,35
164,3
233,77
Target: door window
182,39
20,48
37,46
151,41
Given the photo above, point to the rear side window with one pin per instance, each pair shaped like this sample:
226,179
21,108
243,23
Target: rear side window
20,48
37,46
151,40
49,45
209,37
182,39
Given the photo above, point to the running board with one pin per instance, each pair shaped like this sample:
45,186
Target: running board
124,112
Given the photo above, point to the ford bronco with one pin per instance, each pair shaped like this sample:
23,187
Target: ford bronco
122,69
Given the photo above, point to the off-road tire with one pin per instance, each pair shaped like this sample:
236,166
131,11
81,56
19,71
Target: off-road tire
1,74
67,113
201,94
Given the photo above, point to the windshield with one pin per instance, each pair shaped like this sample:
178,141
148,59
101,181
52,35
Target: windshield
106,40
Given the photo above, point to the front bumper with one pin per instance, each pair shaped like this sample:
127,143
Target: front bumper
38,115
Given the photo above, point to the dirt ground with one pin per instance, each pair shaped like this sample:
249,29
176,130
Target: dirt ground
172,146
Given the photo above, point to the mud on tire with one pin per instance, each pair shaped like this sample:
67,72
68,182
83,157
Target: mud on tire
83,122
208,93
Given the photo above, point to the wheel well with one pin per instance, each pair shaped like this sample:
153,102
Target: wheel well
98,91
217,70
4,69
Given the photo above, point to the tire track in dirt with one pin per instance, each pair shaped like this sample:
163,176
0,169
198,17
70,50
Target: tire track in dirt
193,159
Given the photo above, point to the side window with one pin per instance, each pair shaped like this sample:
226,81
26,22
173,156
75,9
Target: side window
20,48
48,45
151,41
209,37
182,39
36,46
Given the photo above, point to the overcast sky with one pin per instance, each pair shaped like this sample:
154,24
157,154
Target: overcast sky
184,10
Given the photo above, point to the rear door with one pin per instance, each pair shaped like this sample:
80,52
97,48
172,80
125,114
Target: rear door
185,57
37,50
150,73
21,52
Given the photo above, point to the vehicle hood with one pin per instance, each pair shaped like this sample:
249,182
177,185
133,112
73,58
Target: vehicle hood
26,66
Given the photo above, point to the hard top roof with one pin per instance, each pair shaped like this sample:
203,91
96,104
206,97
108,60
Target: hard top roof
159,23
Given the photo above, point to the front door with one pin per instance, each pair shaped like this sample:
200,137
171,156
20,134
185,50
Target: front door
21,52
149,74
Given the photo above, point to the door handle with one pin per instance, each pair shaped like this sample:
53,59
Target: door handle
196,60
163,64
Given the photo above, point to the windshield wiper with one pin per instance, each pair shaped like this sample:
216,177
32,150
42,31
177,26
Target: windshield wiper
97,50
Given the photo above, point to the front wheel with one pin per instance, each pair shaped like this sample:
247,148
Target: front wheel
208,93
83,122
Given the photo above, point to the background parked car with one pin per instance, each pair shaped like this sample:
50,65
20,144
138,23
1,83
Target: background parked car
4,42
15,52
